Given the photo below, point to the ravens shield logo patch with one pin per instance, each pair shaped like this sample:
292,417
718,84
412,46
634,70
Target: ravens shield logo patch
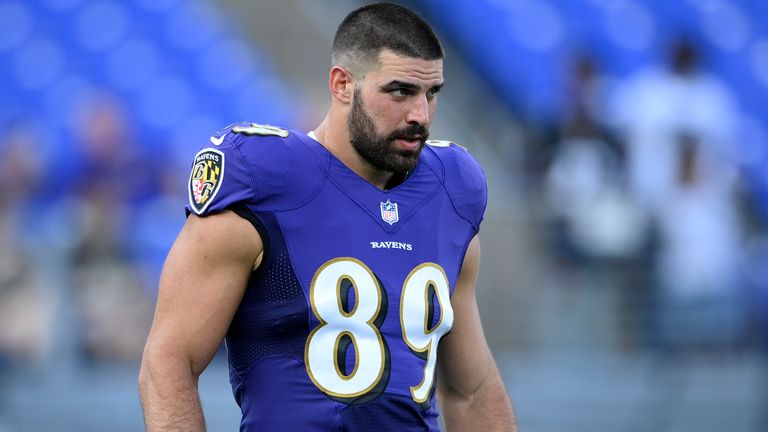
205,180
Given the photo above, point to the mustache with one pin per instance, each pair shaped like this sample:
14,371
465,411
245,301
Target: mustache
410,131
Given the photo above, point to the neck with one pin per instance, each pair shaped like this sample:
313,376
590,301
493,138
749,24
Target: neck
333,134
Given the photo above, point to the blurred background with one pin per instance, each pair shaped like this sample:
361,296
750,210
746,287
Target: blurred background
625,247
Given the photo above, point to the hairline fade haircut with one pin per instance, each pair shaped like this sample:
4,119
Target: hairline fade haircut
366,31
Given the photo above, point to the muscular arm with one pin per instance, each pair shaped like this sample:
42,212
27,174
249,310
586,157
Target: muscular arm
470,391
201,286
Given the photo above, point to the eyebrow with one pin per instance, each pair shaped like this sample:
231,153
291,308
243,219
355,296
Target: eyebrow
395,84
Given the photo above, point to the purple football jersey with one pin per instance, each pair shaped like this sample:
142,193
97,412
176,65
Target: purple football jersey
339,326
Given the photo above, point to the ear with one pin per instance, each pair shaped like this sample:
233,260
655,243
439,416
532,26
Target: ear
340,84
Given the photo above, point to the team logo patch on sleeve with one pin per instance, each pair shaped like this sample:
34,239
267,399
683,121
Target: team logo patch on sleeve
205,180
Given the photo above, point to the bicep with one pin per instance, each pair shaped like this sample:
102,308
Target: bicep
202,283
464,360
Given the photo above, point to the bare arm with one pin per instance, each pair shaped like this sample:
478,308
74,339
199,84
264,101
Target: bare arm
470,390
202,284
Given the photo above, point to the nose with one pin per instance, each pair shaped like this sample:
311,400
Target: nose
418,112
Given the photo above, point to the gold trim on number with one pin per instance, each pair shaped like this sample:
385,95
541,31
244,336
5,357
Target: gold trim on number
340,372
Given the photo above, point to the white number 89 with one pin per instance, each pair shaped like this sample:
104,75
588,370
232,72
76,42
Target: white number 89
339,327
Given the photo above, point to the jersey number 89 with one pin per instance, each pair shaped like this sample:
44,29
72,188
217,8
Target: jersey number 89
340,327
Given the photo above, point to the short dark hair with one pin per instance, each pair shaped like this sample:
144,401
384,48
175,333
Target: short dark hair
369,29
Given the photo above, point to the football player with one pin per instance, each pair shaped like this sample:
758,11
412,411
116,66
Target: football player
339,265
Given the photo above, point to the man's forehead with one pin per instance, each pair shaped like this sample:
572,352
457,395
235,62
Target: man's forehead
396,67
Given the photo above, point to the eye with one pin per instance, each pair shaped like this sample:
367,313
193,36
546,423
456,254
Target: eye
432,92
401,92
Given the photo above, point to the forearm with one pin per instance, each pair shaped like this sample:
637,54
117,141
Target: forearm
487,409
169,396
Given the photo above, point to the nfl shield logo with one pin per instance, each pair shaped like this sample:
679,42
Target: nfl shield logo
389,212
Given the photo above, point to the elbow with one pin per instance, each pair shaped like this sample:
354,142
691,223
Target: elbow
453,401
145,376
161,363
465,393
154,363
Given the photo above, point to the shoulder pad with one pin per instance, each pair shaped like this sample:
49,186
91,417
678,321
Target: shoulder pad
259,129
252,164
246,129
464,180
439,143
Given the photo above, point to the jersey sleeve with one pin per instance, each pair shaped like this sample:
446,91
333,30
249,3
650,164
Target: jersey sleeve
265,168
464,181
219,177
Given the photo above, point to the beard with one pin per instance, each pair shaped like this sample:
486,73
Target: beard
379,150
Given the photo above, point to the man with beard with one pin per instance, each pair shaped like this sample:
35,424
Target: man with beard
334,262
